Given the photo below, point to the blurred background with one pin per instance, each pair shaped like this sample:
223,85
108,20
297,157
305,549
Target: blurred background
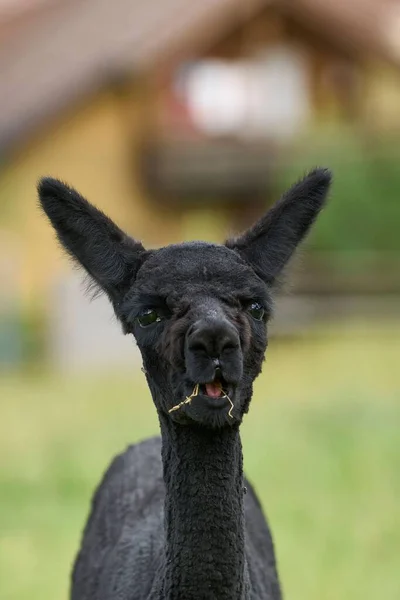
186,120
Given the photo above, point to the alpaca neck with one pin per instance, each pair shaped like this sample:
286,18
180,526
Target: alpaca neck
204,520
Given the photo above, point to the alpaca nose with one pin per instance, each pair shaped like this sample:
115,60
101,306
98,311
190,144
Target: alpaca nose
213,337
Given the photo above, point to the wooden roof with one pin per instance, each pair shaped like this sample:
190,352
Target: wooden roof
59,51
74,48
361,26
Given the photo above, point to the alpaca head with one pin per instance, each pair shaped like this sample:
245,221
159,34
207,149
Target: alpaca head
199,312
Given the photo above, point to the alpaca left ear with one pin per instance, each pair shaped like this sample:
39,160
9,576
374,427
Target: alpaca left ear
268,245
110,257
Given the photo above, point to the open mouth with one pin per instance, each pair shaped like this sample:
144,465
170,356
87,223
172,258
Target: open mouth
217,392
214,389
217,388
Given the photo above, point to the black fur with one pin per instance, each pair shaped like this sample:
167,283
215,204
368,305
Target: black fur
271,242
110,257
171,521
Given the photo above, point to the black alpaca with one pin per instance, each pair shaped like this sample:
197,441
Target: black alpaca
171,518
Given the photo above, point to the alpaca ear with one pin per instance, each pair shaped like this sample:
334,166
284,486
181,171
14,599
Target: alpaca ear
270,243
109,256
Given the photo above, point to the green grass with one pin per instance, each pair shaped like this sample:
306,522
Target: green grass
322,445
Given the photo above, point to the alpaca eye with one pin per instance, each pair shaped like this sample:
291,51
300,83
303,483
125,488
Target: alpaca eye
148,317
256,311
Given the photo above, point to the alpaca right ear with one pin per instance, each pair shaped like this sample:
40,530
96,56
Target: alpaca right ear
269,244
109,256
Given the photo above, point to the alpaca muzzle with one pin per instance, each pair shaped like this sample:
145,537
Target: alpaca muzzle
216,392
213,355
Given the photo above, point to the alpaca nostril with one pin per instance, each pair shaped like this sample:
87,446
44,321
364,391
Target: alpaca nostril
230,345
191,330
198,346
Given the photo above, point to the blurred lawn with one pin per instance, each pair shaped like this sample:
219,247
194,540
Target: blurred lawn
322,445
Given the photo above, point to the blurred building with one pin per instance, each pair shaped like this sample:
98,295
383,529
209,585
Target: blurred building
175,117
